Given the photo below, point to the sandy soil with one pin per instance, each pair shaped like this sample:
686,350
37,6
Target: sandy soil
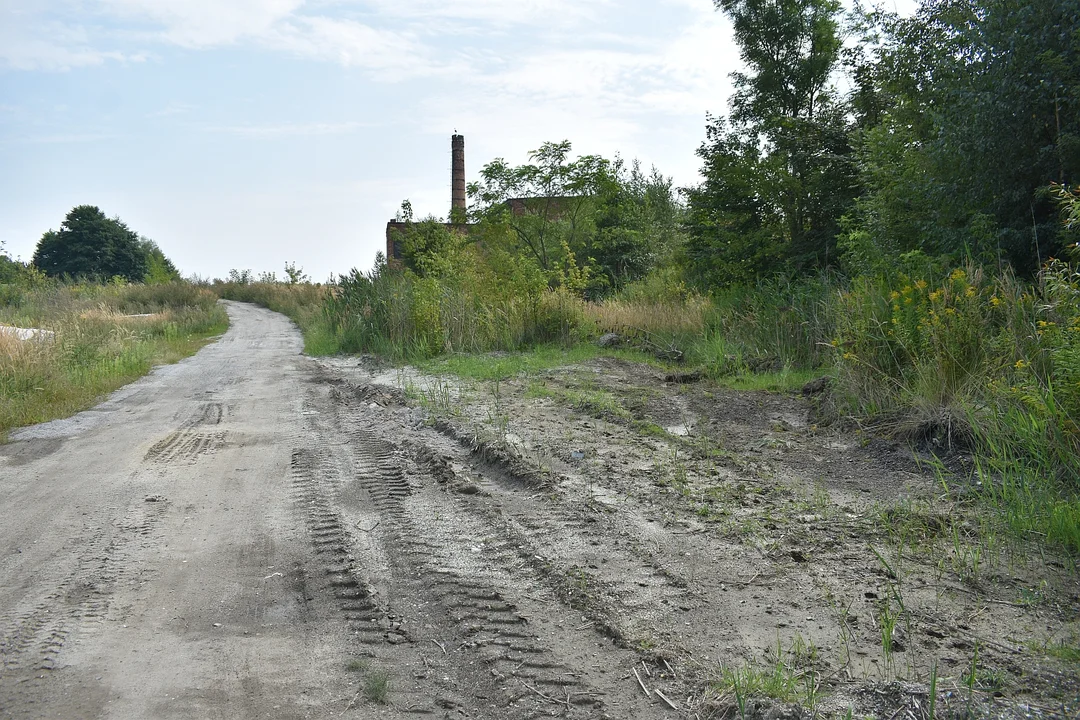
252,533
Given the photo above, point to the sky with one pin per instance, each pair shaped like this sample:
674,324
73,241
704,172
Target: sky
249,134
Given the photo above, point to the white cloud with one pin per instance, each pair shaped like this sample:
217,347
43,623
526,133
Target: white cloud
205,23
352,44
29,41
497,13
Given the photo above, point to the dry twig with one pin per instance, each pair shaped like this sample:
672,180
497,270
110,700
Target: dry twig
643,688
661,695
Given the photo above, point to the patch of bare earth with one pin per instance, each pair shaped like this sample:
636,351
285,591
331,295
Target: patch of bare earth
594,541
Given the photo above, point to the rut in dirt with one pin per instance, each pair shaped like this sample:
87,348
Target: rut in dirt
442,590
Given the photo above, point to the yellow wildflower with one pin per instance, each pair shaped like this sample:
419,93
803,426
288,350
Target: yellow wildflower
893,295
970,292
995,300
906,289
1020,365
921,284
849,356
935,295
957,274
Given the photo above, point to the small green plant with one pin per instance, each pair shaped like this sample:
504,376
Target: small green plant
790,676
376,686
971,678
1063,650
933,690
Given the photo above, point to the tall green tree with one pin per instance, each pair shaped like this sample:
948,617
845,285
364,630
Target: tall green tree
778,171
89,244
546,202
611,219
977,113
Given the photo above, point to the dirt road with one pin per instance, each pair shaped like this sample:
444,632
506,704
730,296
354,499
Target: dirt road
252,533
230,538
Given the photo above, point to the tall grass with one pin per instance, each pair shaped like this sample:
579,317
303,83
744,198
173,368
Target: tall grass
774,324
406,316
103,337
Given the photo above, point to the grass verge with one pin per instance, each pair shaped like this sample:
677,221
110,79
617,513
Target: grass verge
99,339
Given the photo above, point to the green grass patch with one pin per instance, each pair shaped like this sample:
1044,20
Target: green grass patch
1061,650
376,687
790,677
504,365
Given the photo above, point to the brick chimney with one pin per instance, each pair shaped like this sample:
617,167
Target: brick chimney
457,196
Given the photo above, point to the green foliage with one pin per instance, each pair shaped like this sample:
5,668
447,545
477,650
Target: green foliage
778,173
969,359
296,275
971,109
89,244
16,278
465,302
611,222
159,269
772,324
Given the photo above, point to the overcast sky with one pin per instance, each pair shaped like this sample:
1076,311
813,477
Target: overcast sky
251,133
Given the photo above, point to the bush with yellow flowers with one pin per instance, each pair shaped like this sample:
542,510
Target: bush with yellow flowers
984,357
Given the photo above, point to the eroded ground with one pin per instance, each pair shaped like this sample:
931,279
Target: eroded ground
715,545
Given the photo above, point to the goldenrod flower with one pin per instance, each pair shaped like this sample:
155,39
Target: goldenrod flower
921,284
957,274
1020,365
935,295
995,300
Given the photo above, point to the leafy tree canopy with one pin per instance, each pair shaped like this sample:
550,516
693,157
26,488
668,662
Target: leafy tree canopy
972,110
778,170
89,244
610,220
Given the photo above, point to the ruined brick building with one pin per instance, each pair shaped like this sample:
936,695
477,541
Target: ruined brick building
395,229
550,207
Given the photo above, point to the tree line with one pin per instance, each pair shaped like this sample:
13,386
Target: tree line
856,141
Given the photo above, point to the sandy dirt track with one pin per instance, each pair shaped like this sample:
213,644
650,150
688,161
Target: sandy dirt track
255,534
220,539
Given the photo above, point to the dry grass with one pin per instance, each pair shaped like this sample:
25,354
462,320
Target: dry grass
665,318
98,344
